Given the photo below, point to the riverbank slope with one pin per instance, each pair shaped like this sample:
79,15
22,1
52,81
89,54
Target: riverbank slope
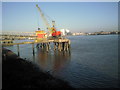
20,73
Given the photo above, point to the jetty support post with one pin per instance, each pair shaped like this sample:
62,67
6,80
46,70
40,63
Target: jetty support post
55,45
65,46
42,45
47,46
69,46
33,49
59,46
37,45
18,50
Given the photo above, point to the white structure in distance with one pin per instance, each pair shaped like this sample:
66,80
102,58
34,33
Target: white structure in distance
64,31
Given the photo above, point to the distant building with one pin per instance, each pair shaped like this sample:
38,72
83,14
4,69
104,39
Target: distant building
79,33
97,33
65,32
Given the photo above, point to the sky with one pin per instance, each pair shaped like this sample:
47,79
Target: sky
60,0
75,16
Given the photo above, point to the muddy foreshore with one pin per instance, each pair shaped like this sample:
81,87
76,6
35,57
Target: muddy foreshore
20,73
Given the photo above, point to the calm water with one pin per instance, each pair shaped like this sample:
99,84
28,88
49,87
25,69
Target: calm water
93,61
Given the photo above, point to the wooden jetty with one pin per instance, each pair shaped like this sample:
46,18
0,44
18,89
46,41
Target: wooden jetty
6,41
59,44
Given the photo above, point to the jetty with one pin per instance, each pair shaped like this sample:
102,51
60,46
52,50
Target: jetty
61,44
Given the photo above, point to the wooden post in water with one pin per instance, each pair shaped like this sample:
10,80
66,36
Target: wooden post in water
18,49
42,45
59,46
55,45
37,45
69,45
62,46
66,46
47,47
33,49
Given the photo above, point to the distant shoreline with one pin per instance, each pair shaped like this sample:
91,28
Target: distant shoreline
89,34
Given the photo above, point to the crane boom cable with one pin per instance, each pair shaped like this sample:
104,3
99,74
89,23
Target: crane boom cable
38,21
47,16
43,17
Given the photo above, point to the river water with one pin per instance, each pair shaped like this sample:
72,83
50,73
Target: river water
92,62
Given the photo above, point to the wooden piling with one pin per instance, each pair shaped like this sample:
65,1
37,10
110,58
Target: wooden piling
59,46
47,47
33,49
37,45
55,45
42,45
63,43
67,46
18,50
64,46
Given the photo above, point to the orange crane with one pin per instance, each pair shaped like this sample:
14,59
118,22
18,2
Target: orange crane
52,30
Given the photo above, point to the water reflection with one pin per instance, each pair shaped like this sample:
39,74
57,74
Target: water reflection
33,57
61,59
42,58
53,60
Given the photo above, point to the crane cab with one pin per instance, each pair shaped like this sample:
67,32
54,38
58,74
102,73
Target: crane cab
57,33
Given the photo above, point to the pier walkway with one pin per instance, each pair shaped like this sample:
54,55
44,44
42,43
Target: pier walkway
59,44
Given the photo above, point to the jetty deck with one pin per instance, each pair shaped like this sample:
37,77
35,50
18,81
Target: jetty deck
59,44
11,42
